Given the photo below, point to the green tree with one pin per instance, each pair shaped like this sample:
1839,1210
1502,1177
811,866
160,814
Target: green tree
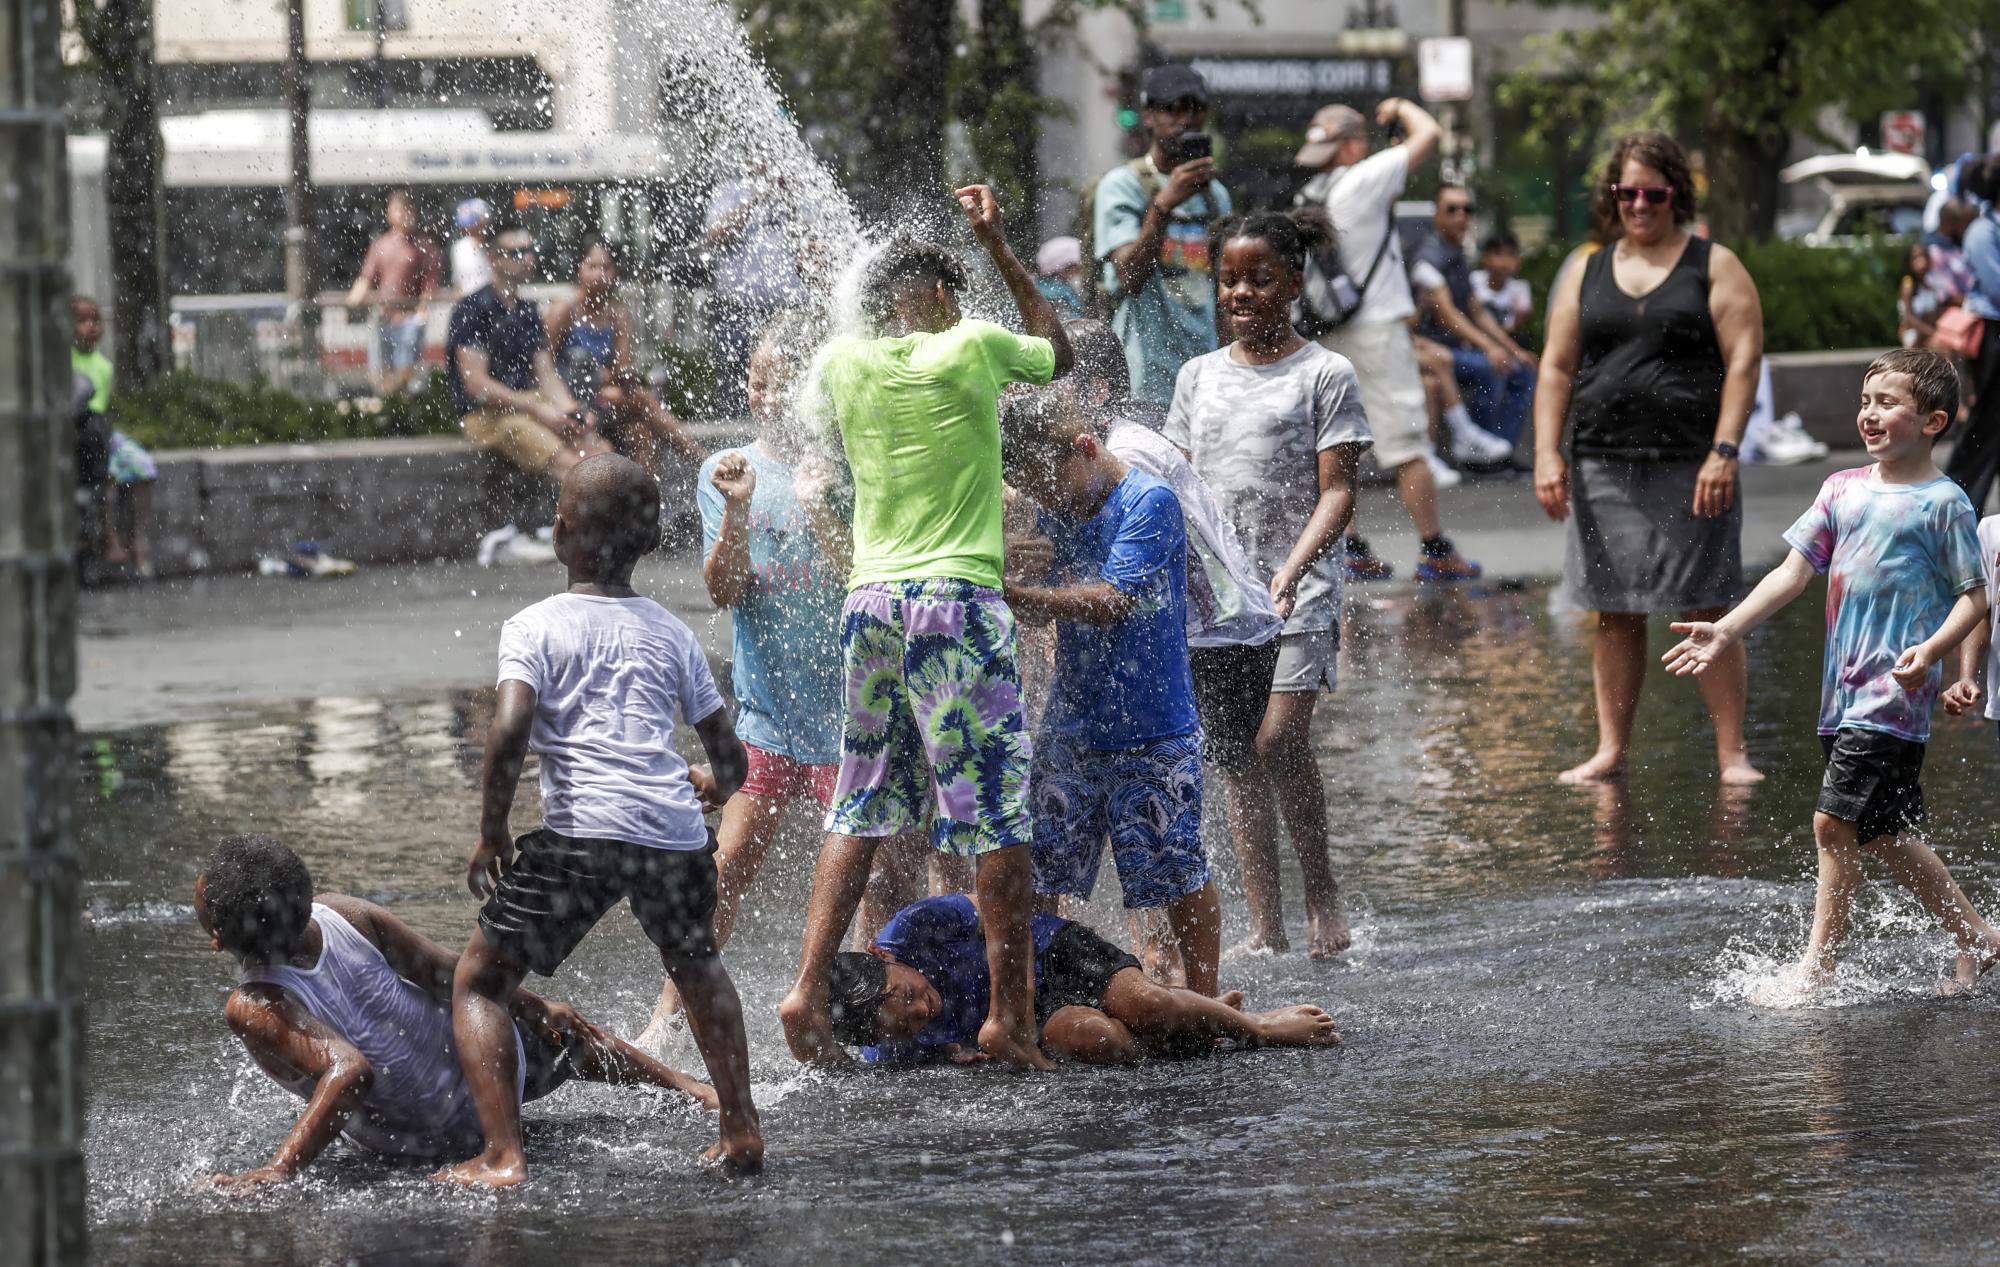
1738,80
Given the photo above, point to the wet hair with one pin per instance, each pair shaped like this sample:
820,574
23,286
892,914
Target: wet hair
77,301
1038,429
1098,354
857,985
1500,240
903,261
259,897
612,507
1933,381
1656,150
1294,235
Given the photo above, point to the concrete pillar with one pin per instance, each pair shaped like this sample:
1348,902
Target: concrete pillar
41,978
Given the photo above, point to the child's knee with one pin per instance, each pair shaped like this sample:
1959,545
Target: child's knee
1835,835
1088,1035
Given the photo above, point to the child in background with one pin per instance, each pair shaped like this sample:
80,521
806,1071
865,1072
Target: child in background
1496,282
1118,750
1274,424
347,1007
1904,586
127,493
1982,643
592,679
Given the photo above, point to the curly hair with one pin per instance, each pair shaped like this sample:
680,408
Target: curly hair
1294,235
259,897
902,261
1656,150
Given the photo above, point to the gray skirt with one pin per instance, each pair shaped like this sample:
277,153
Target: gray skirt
1636,546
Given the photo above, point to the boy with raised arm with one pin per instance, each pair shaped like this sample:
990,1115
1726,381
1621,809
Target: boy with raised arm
347,1007
934,723
592,680
1896,542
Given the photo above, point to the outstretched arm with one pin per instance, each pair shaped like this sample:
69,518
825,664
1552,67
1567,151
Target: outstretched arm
499,779
289,1042
1967,614
1095,603
1038,315
1705,641
728,764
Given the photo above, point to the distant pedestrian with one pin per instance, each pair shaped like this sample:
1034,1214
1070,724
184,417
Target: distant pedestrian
129,471
1496,375
1975,452
1150,233
470,270
1059,275
1651,362
756,272
399,275
1918,298
1498,285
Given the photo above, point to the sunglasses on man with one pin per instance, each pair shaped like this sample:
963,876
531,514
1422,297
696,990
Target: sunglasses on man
1655,195
517,252
1457,208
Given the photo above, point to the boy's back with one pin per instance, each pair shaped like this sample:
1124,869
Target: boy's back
609,676
1896,556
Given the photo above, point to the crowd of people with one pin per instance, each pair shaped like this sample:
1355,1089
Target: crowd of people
1002,596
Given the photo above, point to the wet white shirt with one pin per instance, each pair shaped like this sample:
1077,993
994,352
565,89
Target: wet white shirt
1358,199
1989,562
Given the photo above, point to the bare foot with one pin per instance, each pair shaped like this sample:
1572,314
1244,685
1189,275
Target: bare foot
485,1171
739,1153
1232,999
1791,988
1000,1043
1327,933
1301,1026
1600,768
1265,941
1740,773
1971,967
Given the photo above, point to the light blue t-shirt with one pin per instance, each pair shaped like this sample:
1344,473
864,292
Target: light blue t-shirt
1123,686
786,640
1896,557
1172,319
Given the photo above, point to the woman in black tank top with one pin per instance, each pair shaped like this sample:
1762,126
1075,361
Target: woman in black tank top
1654,375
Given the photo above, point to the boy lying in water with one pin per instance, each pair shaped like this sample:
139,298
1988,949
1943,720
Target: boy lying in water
920,993
343,1004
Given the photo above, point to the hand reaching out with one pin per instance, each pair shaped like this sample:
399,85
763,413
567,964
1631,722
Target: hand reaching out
982,212
1703,646
1962,697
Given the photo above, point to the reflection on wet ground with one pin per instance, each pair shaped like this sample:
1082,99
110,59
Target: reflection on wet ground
1548,1057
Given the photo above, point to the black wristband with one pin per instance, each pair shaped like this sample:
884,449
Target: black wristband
1727,450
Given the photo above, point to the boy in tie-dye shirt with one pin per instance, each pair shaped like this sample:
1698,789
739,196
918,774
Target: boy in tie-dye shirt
1897,544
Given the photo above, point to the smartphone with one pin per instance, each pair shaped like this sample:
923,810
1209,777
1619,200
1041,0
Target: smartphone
1189,146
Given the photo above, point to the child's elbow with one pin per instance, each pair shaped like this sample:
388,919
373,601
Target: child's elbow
353,1076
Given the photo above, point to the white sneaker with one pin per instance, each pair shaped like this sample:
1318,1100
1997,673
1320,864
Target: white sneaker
1442,473
525,550
489,545
1785,443
1470,443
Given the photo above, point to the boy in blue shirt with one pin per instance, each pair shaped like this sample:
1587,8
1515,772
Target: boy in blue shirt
1119,750
919,994
1896,541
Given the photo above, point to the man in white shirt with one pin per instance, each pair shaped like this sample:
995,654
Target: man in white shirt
1359,191
471,270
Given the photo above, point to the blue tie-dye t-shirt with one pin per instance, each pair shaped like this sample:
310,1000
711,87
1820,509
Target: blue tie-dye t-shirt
1896,557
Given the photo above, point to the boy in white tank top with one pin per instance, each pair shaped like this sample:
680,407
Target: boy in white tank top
343,1004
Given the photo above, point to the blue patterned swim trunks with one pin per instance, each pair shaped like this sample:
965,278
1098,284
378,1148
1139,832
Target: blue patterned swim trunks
1146,800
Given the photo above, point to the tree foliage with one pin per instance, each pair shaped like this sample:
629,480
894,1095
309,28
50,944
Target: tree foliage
1738,80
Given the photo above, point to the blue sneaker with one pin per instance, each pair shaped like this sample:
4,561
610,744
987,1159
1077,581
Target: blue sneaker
1361,563
1449,568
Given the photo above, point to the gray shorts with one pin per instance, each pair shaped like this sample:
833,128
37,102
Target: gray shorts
1308,661
1636,546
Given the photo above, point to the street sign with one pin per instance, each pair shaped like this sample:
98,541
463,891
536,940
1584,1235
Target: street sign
1903,131
1444,69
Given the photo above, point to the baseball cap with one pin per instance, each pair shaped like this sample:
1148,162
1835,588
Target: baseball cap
1058,254
1175,82
1330,126
472,211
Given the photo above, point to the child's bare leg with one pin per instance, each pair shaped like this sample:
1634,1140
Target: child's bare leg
488,1052
1285,746
113,550
1156,1014
1833,902
142,509
1917,868
949,874
742,843
1088,1036
1618,670
1724,688
1253,829
893,883
715,1015
1197,924
1006,906
839,880
1158,950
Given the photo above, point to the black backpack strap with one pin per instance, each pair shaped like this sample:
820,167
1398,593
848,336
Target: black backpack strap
1381,253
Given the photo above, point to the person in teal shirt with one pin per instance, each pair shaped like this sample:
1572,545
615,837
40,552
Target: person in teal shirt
1150,227
127,492
934,721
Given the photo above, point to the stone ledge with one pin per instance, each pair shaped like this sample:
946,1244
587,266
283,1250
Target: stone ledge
1822,387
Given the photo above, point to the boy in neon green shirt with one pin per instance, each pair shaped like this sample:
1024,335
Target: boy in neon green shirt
934,725
128,471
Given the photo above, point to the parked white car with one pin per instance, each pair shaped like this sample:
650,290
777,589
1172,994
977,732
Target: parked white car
1868,196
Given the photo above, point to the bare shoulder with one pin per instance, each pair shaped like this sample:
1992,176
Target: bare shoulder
1725,264
361,914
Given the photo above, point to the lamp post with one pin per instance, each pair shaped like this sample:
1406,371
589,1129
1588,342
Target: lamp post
41,976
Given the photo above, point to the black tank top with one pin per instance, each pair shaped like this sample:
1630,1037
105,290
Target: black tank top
1650,385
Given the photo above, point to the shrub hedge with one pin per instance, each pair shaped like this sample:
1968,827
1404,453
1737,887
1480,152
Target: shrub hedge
181,411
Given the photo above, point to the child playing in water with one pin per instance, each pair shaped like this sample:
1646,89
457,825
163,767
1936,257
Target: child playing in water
1897,543
127,493
920,992
591,680
933,717
1118,751
1274,424
342,1004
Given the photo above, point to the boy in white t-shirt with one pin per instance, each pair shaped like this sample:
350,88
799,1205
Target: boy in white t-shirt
1982,643
1495,283
591,680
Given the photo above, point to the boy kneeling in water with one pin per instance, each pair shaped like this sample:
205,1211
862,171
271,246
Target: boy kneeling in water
920,993
343,1004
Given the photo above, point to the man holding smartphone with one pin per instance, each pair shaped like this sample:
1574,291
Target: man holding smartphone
1150,224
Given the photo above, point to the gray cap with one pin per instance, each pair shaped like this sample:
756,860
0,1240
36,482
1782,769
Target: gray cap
1331,127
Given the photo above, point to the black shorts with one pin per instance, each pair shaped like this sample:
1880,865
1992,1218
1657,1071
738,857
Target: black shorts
1871,781
560,886
1074,972
1232,688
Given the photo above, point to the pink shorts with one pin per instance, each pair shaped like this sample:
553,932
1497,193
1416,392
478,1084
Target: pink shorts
774,776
